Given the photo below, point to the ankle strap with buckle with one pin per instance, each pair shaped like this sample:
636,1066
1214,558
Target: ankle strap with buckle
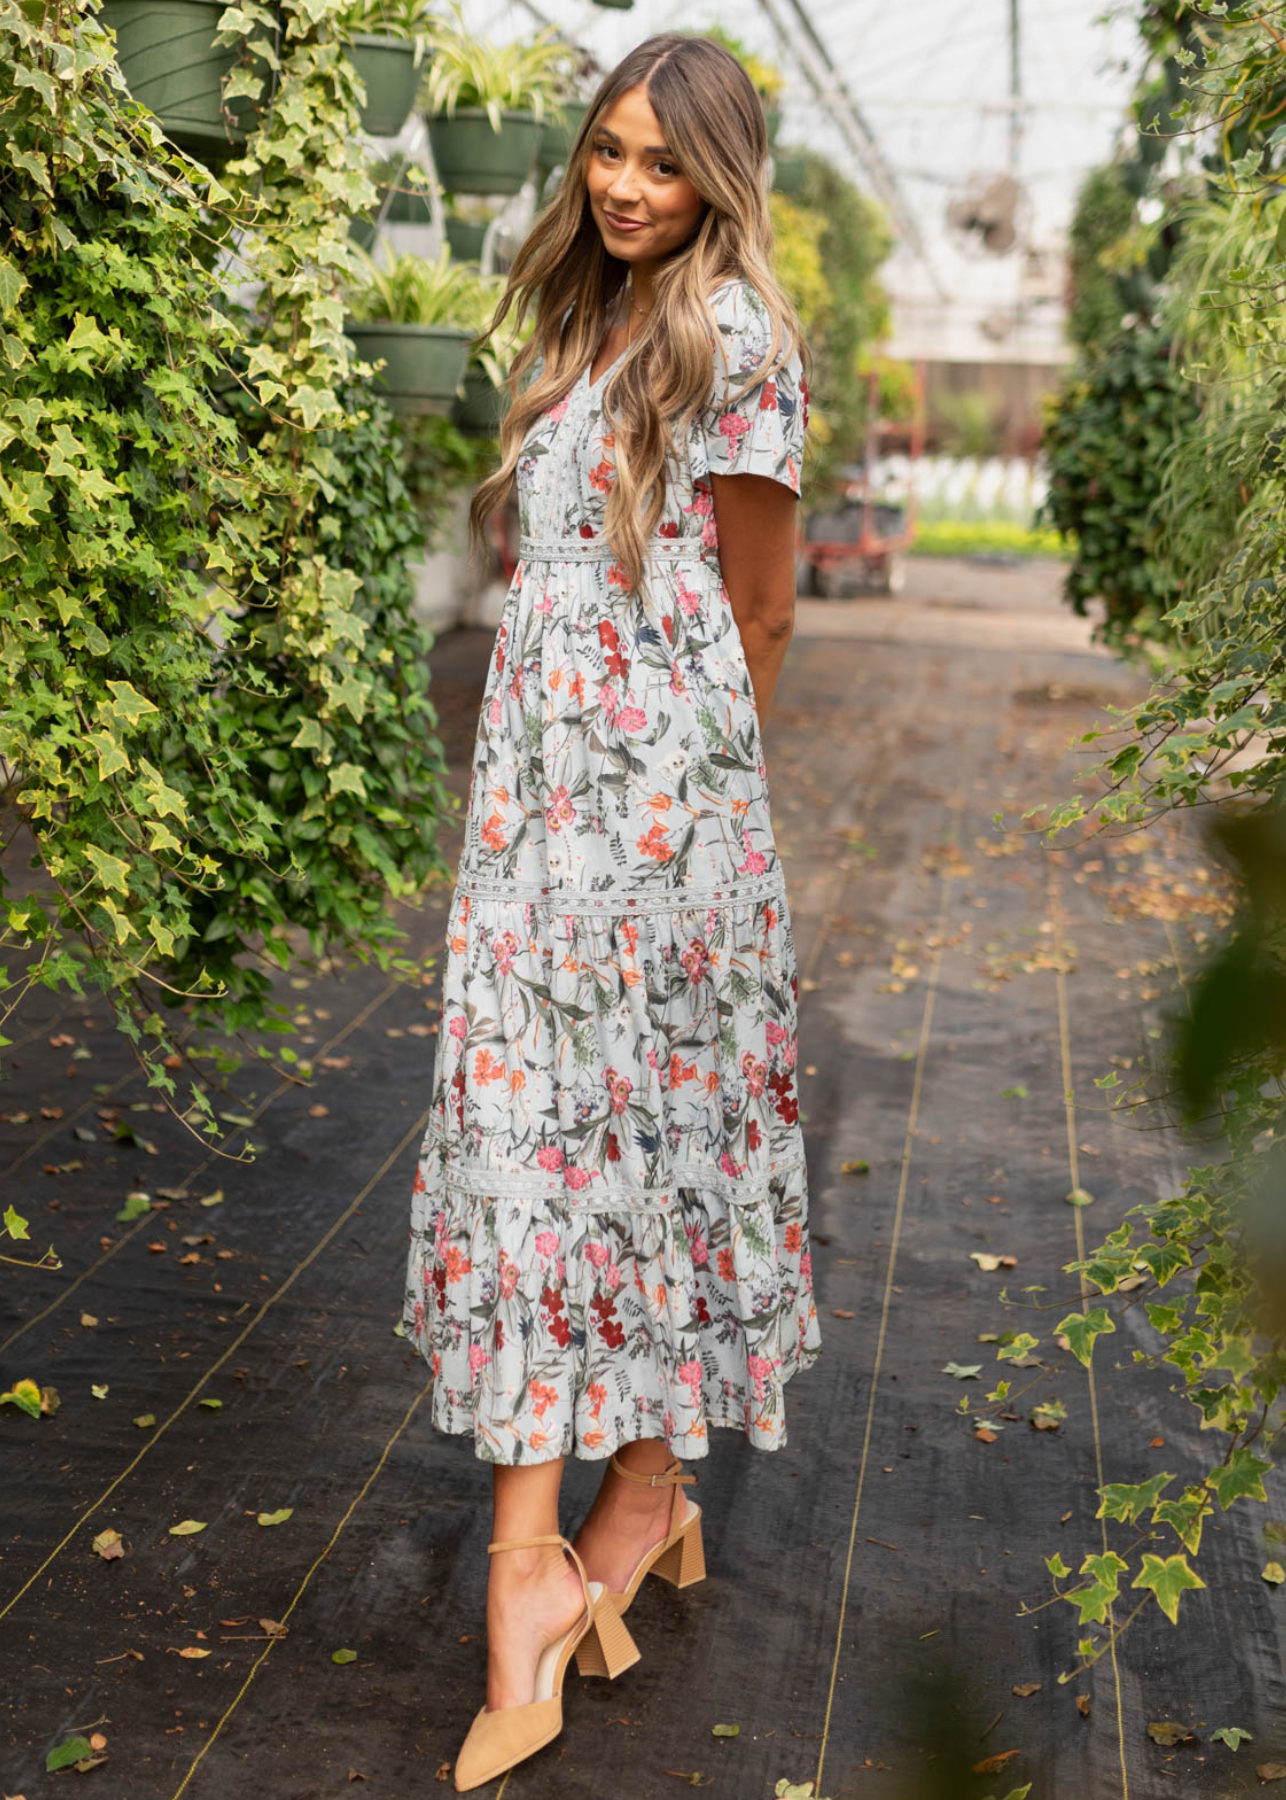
666,1478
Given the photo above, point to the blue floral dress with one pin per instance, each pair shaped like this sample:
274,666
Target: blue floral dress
609,1231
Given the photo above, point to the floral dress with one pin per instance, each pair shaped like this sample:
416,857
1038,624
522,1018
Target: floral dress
609,1232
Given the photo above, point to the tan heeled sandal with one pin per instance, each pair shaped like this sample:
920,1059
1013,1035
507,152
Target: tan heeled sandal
679,1557
497,1740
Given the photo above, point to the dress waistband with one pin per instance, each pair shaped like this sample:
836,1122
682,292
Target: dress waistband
667,549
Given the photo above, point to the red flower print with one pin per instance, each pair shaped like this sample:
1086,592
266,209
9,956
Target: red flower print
794,1237
586,530
783,1087
667,626
703,1311
613,1148
754,1137
768,398
493,833
670,528
727,1268
615,662
602,476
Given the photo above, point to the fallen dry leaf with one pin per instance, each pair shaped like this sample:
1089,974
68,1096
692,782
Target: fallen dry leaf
1025,1689
987,1262
1083,1705
992,1765
840,1312
1169,1731
189,1650
109,1546
984,1436
1271,1771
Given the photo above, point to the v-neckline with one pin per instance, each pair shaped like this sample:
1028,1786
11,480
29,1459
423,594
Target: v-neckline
591,384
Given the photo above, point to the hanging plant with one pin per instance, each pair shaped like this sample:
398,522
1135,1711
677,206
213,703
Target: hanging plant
213,714
390,40
485,104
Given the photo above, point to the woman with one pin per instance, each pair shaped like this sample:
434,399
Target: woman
610,1213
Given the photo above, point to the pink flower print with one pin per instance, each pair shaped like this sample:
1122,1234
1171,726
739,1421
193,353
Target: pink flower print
504,949
695,960
508,1276
559,810
598,1254
550,1157
728,1166
619,1089
710,534
556,412
677,684
440,1234
776,1034
612,1279
755,1072
577,1178
689,599
608,699
732,428
651,1059
700,1251
759,1369
546,1243
560,1271
690,1372
755,864
544,605
495,711
478,1359
632,718
806,1270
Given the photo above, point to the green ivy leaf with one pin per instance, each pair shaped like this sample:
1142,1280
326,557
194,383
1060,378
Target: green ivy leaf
1168,1578
1241,1477
1094,1600
1082,1328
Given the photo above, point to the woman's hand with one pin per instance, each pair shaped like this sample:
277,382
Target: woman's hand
755,518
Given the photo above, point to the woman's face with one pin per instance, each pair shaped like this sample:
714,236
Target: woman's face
642,203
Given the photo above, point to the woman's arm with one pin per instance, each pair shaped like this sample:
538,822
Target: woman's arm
755,518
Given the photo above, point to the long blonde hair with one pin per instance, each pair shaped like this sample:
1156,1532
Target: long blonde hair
714,124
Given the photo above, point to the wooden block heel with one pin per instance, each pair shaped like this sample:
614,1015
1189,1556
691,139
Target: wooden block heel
679,1558
607,1647
685,1561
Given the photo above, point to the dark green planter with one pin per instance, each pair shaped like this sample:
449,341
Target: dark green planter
406,206
424,362
616,5
464,236
556,140
388,70
483,405
173,66
471,158
789,172
772,121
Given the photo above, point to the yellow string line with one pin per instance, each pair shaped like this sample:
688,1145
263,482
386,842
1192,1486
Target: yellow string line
907,1150
154,1439
299,1591
148,1218
1073,1163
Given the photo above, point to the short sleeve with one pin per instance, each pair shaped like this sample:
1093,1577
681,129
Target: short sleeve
762,432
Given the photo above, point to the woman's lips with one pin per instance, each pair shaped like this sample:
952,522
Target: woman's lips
625,226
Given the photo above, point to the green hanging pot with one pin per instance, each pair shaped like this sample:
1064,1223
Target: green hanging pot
465,236
481,406
616,5
172,65
789,172
471,158
424,363
772,121
556,139
390,75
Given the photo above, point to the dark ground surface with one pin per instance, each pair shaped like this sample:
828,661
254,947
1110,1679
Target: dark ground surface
866,1583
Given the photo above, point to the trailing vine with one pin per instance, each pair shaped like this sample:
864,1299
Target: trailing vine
1208,1265
204,531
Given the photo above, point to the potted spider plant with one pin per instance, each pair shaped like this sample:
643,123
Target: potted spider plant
484,104
417,317
173,64
483,398
388,43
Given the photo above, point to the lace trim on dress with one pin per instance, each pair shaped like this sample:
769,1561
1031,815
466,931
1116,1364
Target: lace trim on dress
595,549
532,1187
623,900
